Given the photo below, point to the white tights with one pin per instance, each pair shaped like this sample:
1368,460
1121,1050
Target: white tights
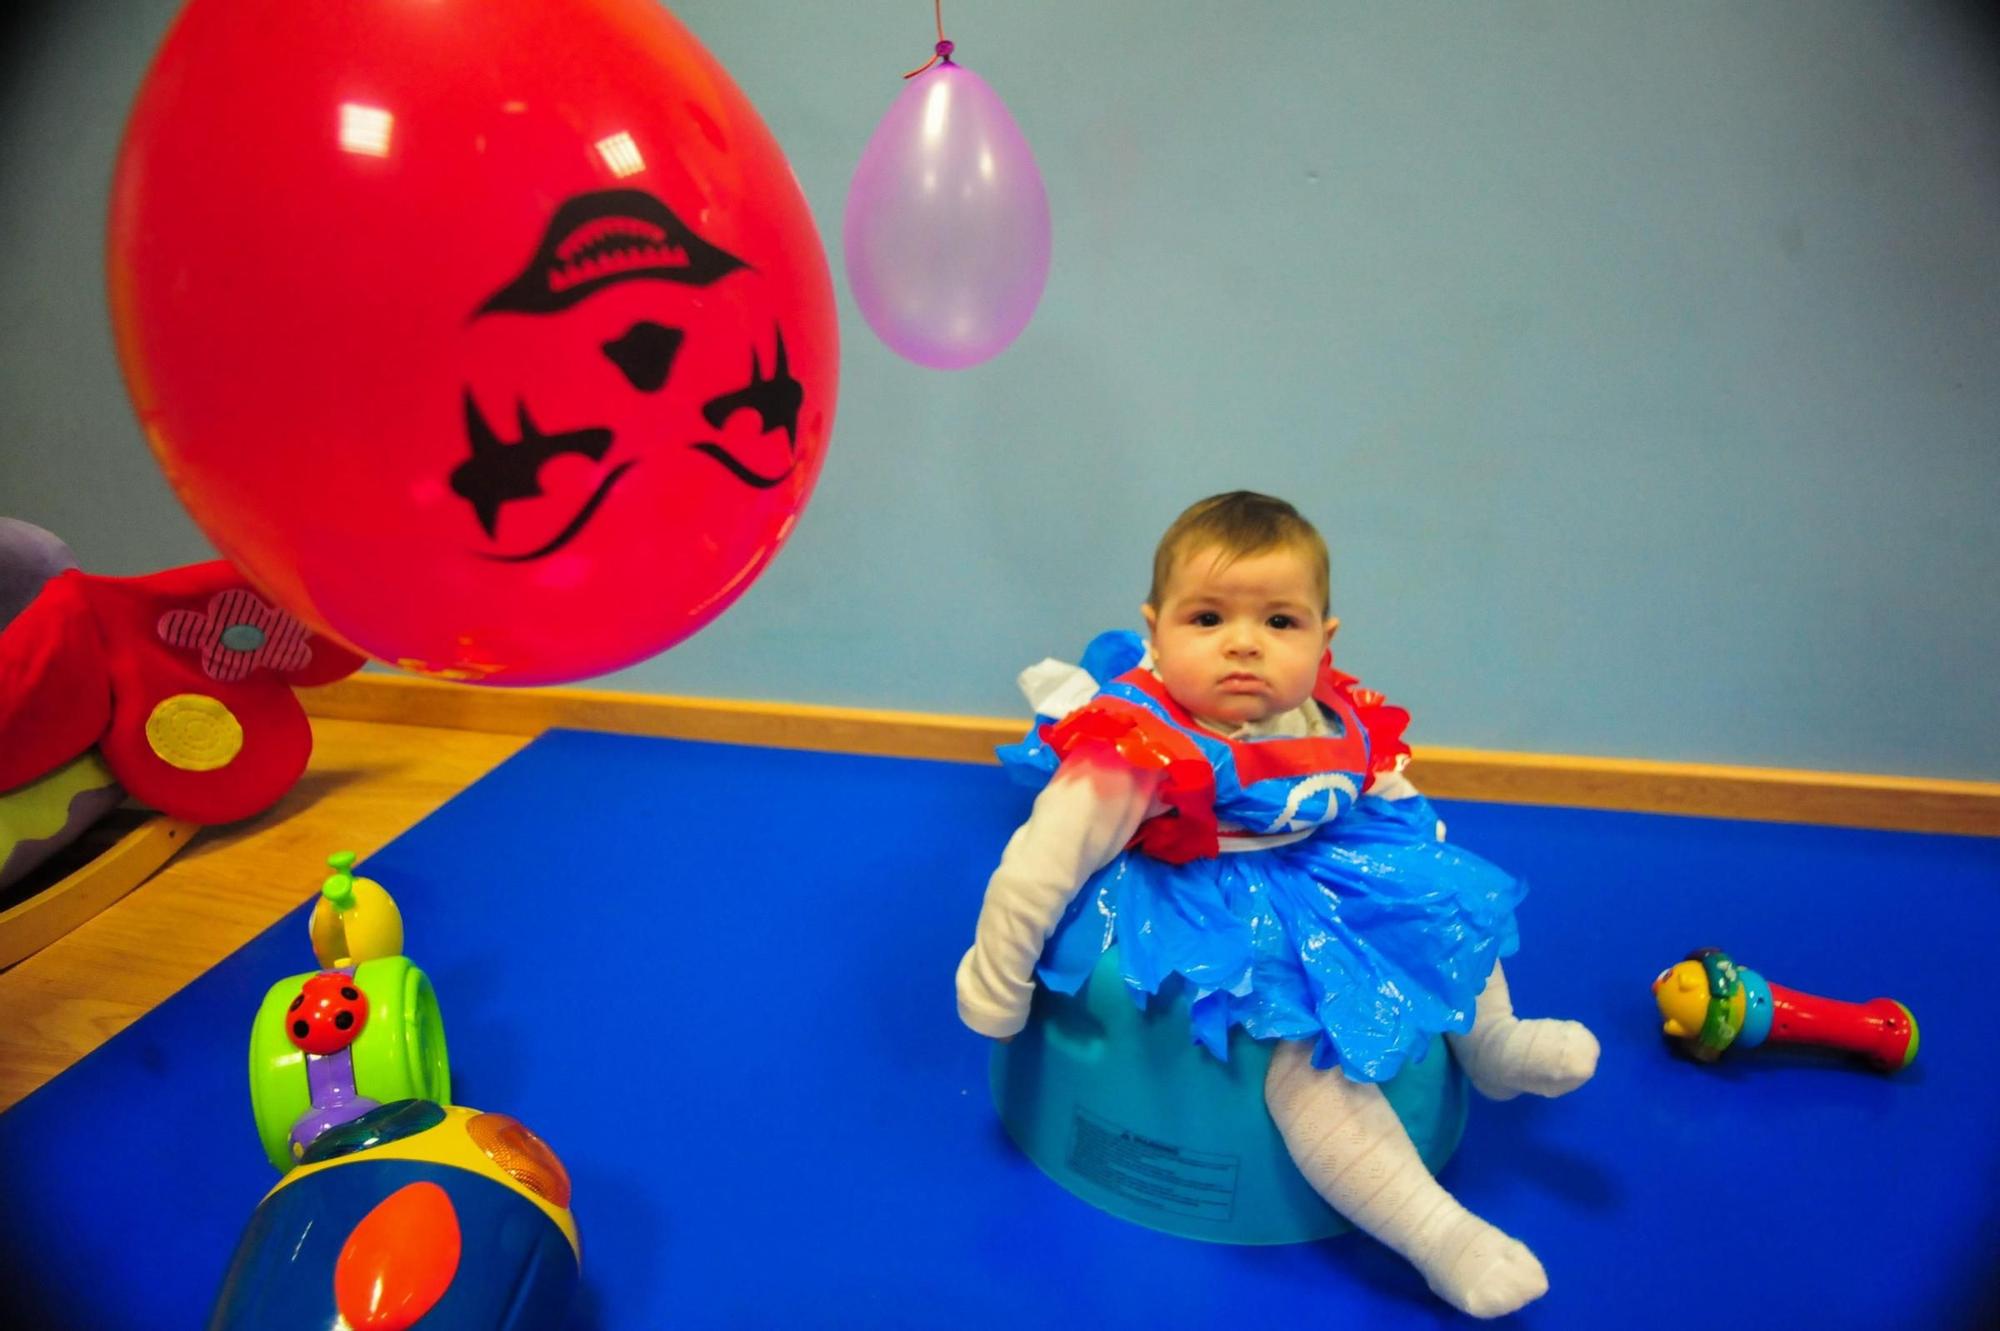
1352,1148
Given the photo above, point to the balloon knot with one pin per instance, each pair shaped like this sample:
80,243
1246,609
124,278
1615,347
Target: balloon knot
942,55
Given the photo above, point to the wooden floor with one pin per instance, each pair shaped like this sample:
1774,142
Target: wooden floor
367,784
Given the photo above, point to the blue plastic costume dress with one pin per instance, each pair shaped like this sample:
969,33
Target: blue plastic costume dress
1346,922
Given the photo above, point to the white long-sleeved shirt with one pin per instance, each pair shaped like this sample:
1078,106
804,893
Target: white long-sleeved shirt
1085,815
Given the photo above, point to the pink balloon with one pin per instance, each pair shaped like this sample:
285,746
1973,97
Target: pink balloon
947,223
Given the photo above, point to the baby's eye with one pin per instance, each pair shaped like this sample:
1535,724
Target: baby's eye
1282,622
1206,619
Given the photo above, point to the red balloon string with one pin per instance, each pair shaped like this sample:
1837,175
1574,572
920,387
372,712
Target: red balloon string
944,48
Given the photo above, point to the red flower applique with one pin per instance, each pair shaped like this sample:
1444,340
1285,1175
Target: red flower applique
238,633
182,680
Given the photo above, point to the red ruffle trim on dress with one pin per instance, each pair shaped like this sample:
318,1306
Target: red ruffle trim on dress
1384,722
1187,788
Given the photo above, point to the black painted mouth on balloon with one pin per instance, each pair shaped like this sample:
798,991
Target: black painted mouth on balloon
742,472
604,237
576,524
593,241
500,472
776,398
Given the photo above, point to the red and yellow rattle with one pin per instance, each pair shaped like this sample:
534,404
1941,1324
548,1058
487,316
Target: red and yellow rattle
1711,1004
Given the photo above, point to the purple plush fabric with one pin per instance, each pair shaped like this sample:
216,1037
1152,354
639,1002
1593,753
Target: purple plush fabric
29,557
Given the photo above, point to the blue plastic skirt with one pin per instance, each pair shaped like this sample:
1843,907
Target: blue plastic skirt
1369,937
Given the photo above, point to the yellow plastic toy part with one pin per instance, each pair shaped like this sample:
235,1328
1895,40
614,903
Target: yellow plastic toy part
355,920
1682,995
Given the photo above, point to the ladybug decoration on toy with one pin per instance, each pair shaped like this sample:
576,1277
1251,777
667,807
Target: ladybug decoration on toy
366,1023
511,306
396,1208
328,1014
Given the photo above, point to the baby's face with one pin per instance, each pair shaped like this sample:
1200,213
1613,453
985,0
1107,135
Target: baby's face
1239,641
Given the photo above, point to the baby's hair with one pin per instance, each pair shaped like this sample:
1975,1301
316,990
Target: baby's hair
1240,523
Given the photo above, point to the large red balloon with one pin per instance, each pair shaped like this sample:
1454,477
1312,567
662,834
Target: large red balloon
491,337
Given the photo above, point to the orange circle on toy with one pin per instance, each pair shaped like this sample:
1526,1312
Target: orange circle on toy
524,1156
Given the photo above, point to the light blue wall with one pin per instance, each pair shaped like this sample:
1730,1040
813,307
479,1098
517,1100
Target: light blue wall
1641,362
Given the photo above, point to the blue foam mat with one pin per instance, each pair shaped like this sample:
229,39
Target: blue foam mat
718,981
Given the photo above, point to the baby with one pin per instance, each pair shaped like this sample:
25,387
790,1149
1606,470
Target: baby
1233,812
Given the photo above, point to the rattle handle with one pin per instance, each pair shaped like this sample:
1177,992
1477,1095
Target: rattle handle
1880,1029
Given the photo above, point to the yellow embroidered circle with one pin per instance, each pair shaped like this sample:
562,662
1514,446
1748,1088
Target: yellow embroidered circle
194,732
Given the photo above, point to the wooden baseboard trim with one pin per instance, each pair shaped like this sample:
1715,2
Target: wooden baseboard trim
1897,803
402,700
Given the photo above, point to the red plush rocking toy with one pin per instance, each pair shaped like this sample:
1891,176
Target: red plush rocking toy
182,680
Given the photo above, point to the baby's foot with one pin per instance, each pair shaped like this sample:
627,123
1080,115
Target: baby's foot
1480,1270
1541,1057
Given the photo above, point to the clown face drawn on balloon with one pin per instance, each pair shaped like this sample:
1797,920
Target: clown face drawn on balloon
516,365
636,374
